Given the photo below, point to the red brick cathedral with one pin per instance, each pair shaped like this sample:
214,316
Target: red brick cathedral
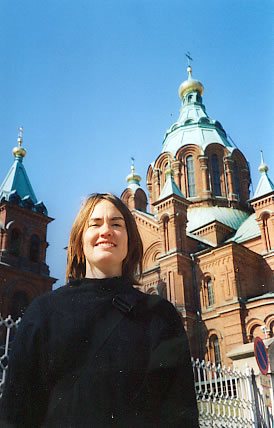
24,273
208,246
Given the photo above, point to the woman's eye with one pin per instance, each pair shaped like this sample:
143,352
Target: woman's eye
117,225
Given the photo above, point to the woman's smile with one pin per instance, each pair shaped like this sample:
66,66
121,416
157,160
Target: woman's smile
105,244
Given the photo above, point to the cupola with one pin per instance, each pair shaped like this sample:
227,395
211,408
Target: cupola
190,85
134,196
133,179
19,152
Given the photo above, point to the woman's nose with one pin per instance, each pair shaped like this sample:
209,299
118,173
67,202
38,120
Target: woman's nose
106,229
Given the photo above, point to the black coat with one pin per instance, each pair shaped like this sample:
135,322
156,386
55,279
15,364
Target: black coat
140,377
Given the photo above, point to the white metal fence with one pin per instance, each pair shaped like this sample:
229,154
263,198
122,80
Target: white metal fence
226,397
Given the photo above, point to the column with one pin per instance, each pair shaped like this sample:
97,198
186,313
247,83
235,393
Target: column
205,176
228,162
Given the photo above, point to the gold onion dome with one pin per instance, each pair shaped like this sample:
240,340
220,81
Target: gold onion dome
132,176
19,151
190,85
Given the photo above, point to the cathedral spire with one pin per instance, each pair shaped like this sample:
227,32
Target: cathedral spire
263,167
16,186
193,123
190,84
265,185
19,152
133,179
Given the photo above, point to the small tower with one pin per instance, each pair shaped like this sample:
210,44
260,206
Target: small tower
24,273
263,204
171,208
175,266
134,196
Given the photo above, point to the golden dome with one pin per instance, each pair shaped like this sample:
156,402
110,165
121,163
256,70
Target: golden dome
133,177
190,85
19,151
263,167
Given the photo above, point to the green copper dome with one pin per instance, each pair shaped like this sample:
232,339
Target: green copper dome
194,126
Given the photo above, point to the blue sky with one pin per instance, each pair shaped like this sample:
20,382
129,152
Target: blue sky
96,82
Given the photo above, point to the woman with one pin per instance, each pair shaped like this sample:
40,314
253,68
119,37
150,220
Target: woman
98,353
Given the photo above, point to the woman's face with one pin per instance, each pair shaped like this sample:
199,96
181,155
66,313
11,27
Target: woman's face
105,241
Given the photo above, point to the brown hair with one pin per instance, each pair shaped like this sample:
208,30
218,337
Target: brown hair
76,263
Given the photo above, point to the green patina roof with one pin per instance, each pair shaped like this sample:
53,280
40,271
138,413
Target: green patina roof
201,216
17,188
194,126
264,186
249,229
146,214
269,295
200,239
17,180
133,186
170,188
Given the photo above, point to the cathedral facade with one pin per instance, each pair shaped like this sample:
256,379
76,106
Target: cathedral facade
208,246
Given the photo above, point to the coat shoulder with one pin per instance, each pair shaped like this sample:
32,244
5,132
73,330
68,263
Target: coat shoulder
163,308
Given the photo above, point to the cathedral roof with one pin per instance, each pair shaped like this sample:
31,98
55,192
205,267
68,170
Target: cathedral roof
16,186
269,295
249,229
194,126
201,216
265,185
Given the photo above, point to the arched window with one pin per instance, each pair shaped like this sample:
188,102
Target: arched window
190,176
34,248
215,354
257,331
266,231
15,242
216,176
236,178
190,97
19,304
166,234
210,292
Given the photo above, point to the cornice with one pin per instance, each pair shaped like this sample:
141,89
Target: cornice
263,201
144,221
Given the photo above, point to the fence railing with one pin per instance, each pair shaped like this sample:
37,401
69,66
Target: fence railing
225,397
8,329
